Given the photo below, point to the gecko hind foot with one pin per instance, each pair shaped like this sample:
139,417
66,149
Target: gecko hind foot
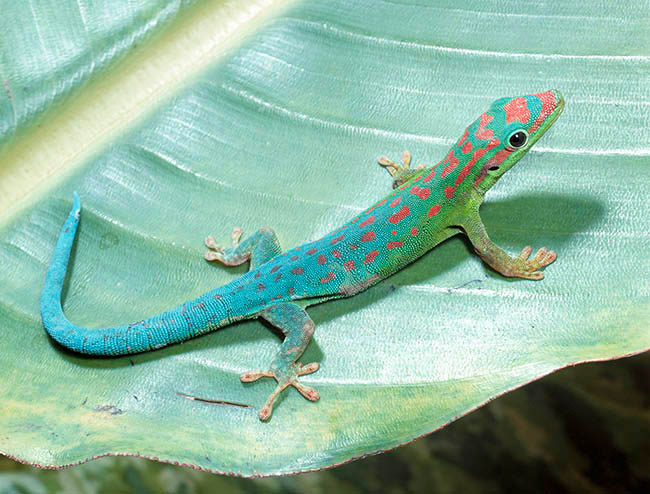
284,380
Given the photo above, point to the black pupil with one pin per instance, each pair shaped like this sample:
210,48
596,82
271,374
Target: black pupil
517,139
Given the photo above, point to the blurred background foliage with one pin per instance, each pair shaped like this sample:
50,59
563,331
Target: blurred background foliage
582,429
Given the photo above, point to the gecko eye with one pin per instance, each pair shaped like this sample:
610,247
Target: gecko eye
518,139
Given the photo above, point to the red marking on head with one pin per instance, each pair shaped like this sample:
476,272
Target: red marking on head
275,268
371,256
337,239
260,287
291,291
548,105
496,160
336,253
393,244
396,201
516,109
321,259
293,258
376,206
433,211
339,229
349,265
400,215
277,277
368,221
311,251
330,276
449,192
368,236
355,219
483,133
297,270
422,193
414,231
430,176
353,246
467,147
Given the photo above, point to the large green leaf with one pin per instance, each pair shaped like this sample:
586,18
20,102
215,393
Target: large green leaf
277,119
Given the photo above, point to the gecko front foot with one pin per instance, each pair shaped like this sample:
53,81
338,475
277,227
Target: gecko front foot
285,378
223,255
400,173
522,267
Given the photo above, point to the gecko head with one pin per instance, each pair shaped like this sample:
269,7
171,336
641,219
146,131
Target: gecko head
507,130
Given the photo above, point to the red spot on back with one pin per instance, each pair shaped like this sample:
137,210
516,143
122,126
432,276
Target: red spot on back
321,259
349,265
278,276
453,163
297,270
257,275
260,287
414,231
337,239
371,256
449,192
430,176
394,244
516,109
291,291
293,258
394,232
275,268
311,251
396,201
368,221
422,193
400,215
336,253
353,246
368,236
330,276
434,211
467,147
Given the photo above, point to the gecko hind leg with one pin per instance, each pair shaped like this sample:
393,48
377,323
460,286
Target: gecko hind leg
400,173
298,328
258,248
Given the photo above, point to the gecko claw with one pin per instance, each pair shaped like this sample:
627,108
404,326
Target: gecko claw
284,380
530,268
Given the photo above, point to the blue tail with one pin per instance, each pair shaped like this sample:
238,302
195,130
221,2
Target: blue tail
199,316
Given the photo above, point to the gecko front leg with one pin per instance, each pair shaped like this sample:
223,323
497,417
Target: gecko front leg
499,260
400,173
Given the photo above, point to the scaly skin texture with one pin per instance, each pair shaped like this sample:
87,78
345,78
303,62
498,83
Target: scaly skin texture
427,206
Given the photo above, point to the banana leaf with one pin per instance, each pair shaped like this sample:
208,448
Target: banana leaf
174,122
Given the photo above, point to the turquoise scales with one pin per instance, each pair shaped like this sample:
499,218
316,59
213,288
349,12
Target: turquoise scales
427,206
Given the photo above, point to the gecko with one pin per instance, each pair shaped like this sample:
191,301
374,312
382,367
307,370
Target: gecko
426,206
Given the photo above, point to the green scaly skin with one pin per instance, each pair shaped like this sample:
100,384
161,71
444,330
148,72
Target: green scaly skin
427,206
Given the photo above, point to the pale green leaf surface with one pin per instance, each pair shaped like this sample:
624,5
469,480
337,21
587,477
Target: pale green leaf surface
284,131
